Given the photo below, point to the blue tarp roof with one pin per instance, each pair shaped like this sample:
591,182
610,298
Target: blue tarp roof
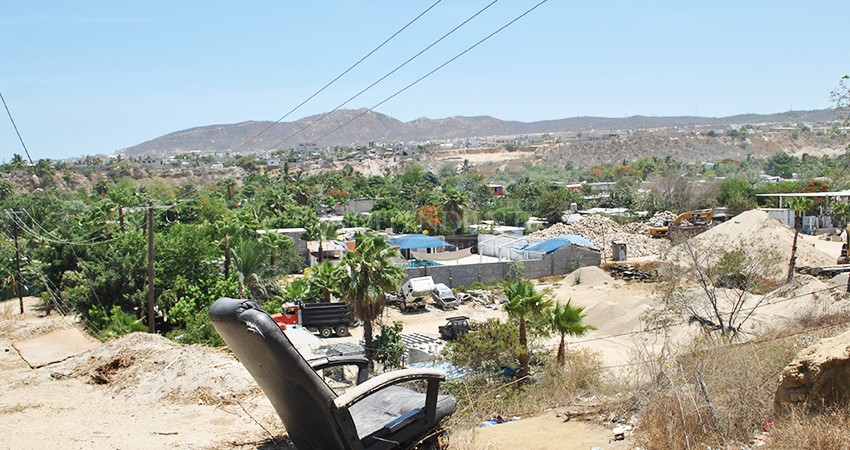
550,245
409,241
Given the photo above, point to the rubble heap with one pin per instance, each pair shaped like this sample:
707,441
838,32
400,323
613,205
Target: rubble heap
602,231
661,218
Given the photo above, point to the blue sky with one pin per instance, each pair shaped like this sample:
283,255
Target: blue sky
88,77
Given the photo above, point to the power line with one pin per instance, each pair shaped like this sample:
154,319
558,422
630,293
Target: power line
427,74
470,18
15,126
338,76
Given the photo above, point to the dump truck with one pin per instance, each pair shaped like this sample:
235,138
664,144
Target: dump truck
686,224
444,297
415,293
326,319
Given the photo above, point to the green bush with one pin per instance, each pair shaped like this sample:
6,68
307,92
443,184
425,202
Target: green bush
389,347
114,323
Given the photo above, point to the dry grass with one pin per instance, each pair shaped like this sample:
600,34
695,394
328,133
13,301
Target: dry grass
553,385
825,431
714,395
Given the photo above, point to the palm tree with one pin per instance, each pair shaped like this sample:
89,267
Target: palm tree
366,275
249,263
17,162
841,211
455,201
323,276
320,231
566,320
225,229
523,302
229,186
799,205
273,243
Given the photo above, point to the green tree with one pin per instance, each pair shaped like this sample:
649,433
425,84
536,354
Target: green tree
491,345
225,229
249,263
322,232
552,205
455,202
367,275
323,277
841,211
523,303
566,320
389,347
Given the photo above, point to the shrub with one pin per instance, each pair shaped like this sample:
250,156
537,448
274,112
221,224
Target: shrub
389,347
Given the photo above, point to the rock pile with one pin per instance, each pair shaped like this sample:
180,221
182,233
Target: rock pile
602,231
661,218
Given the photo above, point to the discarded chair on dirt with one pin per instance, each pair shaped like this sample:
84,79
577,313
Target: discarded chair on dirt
374,414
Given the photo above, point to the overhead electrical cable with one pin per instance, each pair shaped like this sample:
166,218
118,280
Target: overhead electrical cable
394,71
15,126
429,73
338,76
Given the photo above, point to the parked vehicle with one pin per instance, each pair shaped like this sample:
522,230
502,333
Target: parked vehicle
444,297
454,328
325,318
415,293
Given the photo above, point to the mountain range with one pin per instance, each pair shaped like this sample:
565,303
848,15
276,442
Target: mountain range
362,126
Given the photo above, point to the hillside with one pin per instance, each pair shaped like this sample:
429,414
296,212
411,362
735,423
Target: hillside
353,127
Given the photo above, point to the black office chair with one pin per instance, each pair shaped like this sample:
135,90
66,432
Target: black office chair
374,414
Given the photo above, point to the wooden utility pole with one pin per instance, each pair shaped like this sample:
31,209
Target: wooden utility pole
18,279
151,322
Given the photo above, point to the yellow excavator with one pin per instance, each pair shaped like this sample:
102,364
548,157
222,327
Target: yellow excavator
686,224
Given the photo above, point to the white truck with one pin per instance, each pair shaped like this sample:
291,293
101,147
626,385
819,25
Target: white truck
415,293
444,297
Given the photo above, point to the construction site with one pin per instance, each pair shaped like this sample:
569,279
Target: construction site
143,391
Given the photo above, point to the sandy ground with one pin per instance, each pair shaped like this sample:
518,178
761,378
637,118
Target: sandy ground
145,405
158,394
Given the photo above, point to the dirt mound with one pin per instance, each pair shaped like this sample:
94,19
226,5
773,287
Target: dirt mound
589,276
151,368
759,231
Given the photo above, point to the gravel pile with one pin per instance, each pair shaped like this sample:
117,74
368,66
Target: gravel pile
636,228
602,231
662,217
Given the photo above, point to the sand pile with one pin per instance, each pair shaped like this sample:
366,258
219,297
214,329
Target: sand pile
602,231
589,276
150,367
759,231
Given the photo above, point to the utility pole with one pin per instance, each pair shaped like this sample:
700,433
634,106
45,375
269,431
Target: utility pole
18,279
151,322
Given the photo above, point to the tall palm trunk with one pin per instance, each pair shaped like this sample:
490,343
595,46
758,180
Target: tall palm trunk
367,339
523,341
226,257
562,351
797,225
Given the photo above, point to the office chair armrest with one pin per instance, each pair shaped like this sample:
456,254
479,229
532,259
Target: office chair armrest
384,380
335,361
